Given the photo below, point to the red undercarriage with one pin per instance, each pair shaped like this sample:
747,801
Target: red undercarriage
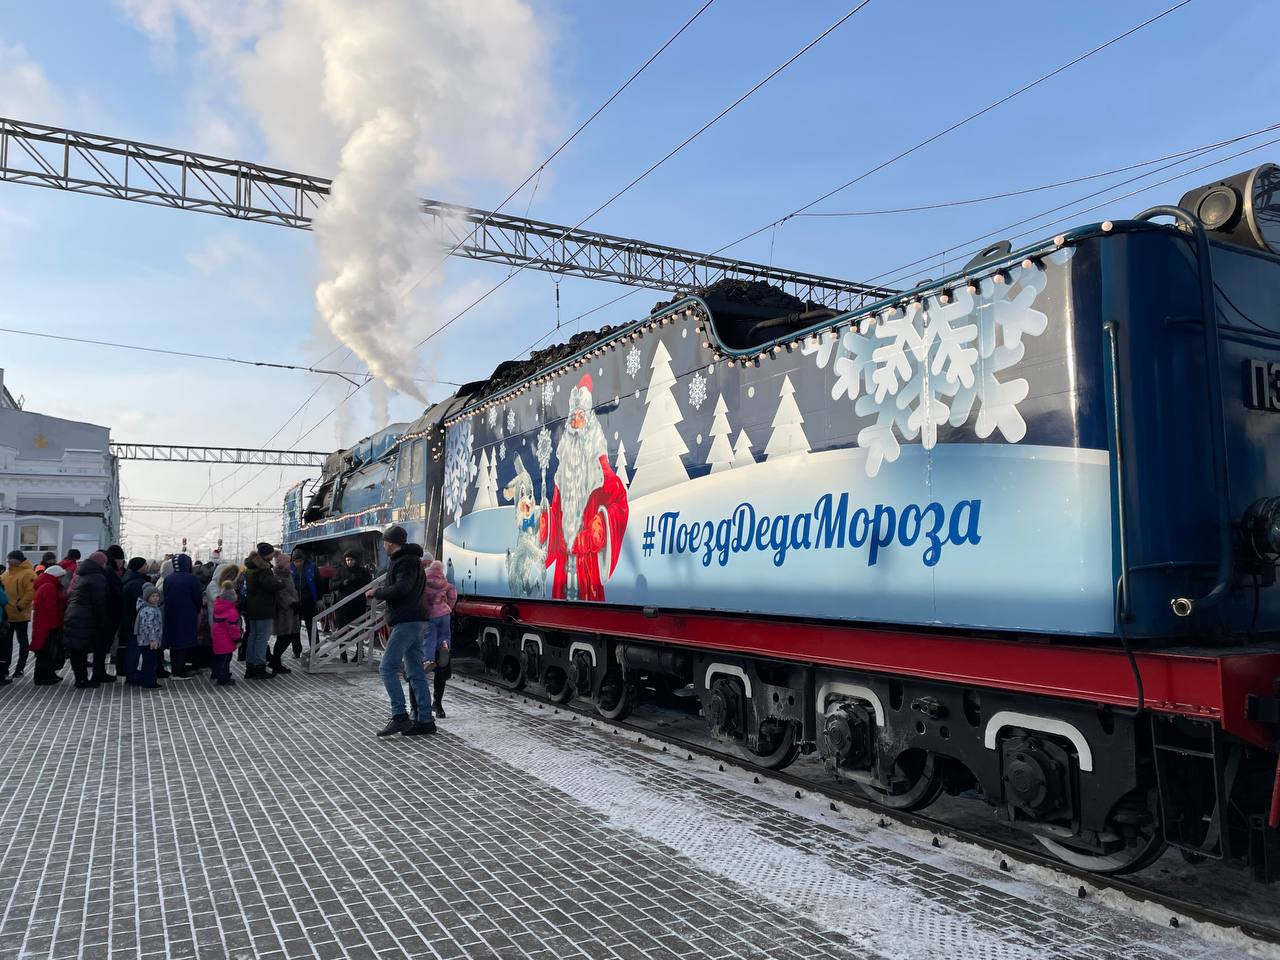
1204,685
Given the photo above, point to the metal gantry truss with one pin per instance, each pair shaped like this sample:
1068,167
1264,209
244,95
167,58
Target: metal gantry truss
167,453
201,509
44,156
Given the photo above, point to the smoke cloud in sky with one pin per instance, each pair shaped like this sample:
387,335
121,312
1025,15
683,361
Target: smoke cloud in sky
398,98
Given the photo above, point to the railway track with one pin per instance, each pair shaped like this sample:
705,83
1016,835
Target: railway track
1180,909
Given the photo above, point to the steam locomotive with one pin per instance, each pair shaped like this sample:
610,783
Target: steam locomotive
1011,534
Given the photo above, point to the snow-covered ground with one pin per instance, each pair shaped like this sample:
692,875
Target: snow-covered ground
888,889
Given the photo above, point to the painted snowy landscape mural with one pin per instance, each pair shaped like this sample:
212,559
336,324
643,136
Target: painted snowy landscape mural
892,468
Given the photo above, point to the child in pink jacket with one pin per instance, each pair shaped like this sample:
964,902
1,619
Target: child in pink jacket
439,596
224,628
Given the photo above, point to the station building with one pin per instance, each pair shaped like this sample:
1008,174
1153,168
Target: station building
59,483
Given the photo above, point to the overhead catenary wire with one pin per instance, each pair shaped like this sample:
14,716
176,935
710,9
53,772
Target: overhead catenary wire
897,274
1038,188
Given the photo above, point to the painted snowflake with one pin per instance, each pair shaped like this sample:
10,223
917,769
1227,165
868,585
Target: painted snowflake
930,366
459,468
548,394
502,451
493,417
511,420
697,390
543,452
633,361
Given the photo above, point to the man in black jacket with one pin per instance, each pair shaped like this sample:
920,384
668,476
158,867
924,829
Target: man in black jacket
87,618
407,617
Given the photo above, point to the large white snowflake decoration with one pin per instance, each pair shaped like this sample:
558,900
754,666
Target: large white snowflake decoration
502,451
697,390
493,417
459,468
543,449
928,367
633,361
511,419
548,394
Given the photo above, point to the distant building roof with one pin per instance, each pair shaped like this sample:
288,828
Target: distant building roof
37,436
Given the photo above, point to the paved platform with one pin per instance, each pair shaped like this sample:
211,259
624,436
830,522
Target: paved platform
266,821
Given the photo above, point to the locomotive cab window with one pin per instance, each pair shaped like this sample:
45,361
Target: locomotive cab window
418,460
402,467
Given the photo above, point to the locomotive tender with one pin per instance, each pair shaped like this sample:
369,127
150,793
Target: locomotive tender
1011,534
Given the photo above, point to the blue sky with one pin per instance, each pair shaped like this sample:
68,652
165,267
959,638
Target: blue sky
894,74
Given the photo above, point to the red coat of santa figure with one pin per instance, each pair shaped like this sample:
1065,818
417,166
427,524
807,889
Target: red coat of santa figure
584,525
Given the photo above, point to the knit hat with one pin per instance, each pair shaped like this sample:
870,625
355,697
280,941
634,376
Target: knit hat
137,563
397,535
99,558
55,571
17,555
148,590
115,552
265,550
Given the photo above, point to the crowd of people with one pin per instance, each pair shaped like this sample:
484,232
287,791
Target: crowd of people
101,611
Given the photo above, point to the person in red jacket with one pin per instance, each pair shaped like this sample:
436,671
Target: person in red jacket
46,625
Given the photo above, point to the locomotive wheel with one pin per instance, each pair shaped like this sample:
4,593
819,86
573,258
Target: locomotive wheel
924,783
1143,849
511,672
616,697
556,683
777,747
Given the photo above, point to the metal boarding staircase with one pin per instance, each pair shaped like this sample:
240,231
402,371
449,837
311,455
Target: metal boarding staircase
362,640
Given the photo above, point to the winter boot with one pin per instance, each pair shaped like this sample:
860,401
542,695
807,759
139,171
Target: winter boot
398,724
440,710
420,728
278,667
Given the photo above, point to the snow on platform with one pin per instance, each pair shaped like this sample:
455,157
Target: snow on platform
266,821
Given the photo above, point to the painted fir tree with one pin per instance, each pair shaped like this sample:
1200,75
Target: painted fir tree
658,465
742,456
620,465
788,426
720,456
486,482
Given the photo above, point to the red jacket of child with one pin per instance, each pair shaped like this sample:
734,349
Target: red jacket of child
47,609
224,630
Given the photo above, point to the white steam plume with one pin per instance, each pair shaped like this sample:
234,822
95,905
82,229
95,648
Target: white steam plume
402,97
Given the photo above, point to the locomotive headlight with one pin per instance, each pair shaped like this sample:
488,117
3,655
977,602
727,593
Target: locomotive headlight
1261,529
1244,208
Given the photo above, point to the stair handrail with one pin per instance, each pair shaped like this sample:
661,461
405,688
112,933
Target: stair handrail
313,636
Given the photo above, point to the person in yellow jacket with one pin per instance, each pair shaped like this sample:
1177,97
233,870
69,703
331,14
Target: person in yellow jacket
19,584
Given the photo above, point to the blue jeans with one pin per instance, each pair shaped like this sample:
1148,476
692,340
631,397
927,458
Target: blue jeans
438,629
259,636
404,646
